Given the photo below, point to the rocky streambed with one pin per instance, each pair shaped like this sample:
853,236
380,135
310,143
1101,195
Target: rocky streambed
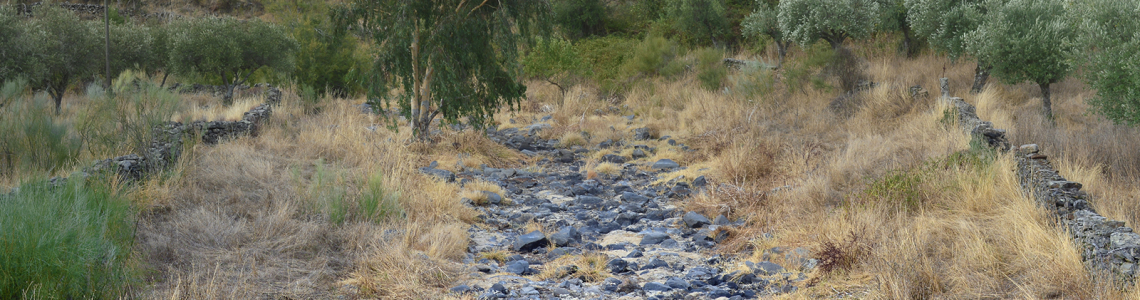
616,236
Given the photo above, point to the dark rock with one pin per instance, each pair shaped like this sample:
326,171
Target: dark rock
715,293
445,175
655,263
669,243
766,268
493,198
641,134
519,267
613,158
654,238
617,265
677,283
589,201
665,164
680,191
694,220
530,241
659,214
700,182
637,153
634,254
498,288
628,218
721,220
654,286
633,197
564,236
611,284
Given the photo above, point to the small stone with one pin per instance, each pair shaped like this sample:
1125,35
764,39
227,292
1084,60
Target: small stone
700,182
498,288
530,241
564,236
654,286
1029,148
518,267
665,164
633,197
677,283
637,154
1124,239
557,291
589,201
641,134
653,238
613,158
655,263
766,268
493,198
694,220
721,220
617,265
611,284
634,254
460,289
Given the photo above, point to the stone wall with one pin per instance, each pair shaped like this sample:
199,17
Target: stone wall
1105,245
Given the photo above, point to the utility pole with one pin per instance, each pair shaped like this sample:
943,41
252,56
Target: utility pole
107,43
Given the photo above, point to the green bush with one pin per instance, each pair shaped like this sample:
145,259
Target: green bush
753,79
112,126
65,242
581,18
553,60
603,57
710,68
327,59
230,49
33,142
328,197
1109,42
654,56
378,203
699,22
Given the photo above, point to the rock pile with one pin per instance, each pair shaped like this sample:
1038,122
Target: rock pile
652,249
1106,245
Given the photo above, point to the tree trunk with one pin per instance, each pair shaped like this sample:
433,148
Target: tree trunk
906,42
981,74
560,88
228,97
56,90
1046,101
164,74
781,52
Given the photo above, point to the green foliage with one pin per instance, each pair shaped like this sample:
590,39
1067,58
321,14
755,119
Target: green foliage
603,57
945,23
710,68
13,54
1110,37
806,21
123,124
699,22
581,18
327,196
65,242
131,48
753,79
230,48
764,22
32,142
448,58
379,203
327,59
1025,40
654,56
61,46
802,72
553,60
902,189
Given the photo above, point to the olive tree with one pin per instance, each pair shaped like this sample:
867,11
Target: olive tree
1025,40
450,58
1110,34
131,48
229,48
764,22
699,19
807,21
580,18
944,24
62,48
13,55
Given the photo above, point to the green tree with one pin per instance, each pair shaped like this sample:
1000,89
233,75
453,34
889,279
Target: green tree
1110,36
698,20
326,59
807,21
764,22
894,18
449,58
13,54
131,47
62,47
581,18
944,24
230,48
553,60
1026,40
159,58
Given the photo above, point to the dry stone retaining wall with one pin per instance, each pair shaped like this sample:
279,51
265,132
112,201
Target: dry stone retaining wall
1105,245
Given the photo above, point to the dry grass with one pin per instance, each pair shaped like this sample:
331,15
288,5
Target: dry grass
587,267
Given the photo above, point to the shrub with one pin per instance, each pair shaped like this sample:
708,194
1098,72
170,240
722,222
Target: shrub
553,60
603,57
699,22
327,59
229,48
1109,41
378,203
753,79
32,141
710,68
65,242
114,125
581,18
654,56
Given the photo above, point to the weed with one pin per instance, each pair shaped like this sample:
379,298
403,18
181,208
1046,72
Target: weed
32,142
68,241
900,188
842,255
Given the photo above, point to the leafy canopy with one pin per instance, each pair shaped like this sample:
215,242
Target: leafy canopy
1024,40
462,54
945,23
553,60
61,50
700,22
229,48
1110,36
807,21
